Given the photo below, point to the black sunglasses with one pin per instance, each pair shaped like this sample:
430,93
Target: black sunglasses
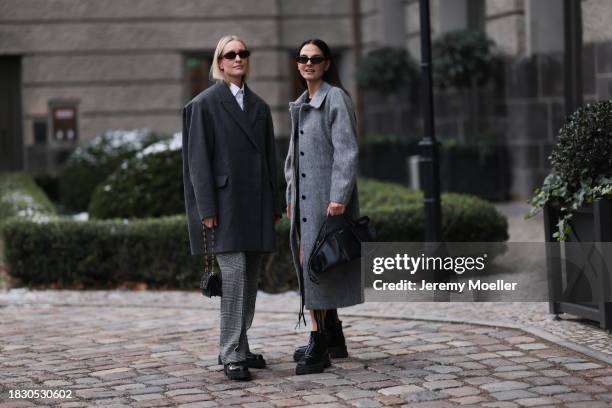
244,54
315,60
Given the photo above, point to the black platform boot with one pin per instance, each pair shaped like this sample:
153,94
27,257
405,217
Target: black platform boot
316,357
336,344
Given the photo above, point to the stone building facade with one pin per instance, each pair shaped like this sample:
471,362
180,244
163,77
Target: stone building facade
87,66
72,69
526,108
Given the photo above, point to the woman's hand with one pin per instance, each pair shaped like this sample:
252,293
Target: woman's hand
289,212
210,222
335,209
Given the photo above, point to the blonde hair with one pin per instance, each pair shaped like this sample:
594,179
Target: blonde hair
216,73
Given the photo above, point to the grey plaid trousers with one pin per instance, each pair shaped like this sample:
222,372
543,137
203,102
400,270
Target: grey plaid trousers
239,276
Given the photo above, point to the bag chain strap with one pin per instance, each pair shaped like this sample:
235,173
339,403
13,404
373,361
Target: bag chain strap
209,257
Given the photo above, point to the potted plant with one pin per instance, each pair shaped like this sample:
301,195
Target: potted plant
389,76
576,200
462,59
387,70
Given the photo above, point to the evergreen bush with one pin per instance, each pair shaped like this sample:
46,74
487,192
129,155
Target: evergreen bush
462,58
21,197
91,163
150,184
581,162
387,69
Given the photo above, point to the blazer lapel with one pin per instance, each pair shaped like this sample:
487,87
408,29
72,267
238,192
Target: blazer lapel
238,115
251,106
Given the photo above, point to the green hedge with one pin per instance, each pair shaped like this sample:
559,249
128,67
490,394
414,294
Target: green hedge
99,253
21,197
92,163
107,253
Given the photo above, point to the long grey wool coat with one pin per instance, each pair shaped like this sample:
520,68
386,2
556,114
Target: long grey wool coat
322,164
229,170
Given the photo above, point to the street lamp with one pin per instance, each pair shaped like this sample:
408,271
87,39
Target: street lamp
429,164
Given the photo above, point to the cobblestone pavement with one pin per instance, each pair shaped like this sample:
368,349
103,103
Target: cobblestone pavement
121,348
521,229
159,349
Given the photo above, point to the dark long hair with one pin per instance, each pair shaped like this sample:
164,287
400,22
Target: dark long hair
331,75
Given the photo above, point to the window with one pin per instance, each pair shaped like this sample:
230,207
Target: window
197,73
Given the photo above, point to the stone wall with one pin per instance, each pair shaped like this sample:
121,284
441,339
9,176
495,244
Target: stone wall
122,63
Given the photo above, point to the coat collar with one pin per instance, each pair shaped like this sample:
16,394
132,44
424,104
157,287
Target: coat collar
234,89
245,119
315,102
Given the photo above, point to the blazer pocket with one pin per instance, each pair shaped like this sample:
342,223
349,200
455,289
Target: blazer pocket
221,181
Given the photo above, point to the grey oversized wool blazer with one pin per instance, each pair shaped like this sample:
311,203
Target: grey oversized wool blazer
229,170
323,164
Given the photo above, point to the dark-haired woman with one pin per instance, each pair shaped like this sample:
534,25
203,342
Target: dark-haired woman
321,170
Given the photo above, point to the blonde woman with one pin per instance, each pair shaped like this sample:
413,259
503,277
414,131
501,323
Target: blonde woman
229,177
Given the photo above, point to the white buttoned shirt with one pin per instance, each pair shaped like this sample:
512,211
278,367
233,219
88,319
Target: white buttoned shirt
238,94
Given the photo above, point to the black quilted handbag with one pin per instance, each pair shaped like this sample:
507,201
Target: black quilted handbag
338,242
210,283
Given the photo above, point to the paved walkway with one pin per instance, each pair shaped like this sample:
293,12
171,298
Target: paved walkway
113,348
121,348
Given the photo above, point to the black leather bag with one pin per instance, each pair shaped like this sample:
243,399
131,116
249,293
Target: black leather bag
210,282
338,242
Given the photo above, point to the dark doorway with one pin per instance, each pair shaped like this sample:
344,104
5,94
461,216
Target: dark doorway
11,138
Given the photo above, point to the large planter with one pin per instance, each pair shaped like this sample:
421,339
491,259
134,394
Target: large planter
580,269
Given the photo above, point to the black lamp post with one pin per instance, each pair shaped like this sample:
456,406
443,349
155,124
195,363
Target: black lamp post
429,164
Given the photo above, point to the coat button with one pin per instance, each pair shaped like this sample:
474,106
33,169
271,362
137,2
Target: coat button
301,132
303,197
301,153
303,175
304,219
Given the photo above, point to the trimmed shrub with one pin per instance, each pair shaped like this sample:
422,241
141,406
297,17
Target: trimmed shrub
462,58
582,165
100,254
90,164
377,195
387,69
147,185
156,251
583,152
21,197
464,218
